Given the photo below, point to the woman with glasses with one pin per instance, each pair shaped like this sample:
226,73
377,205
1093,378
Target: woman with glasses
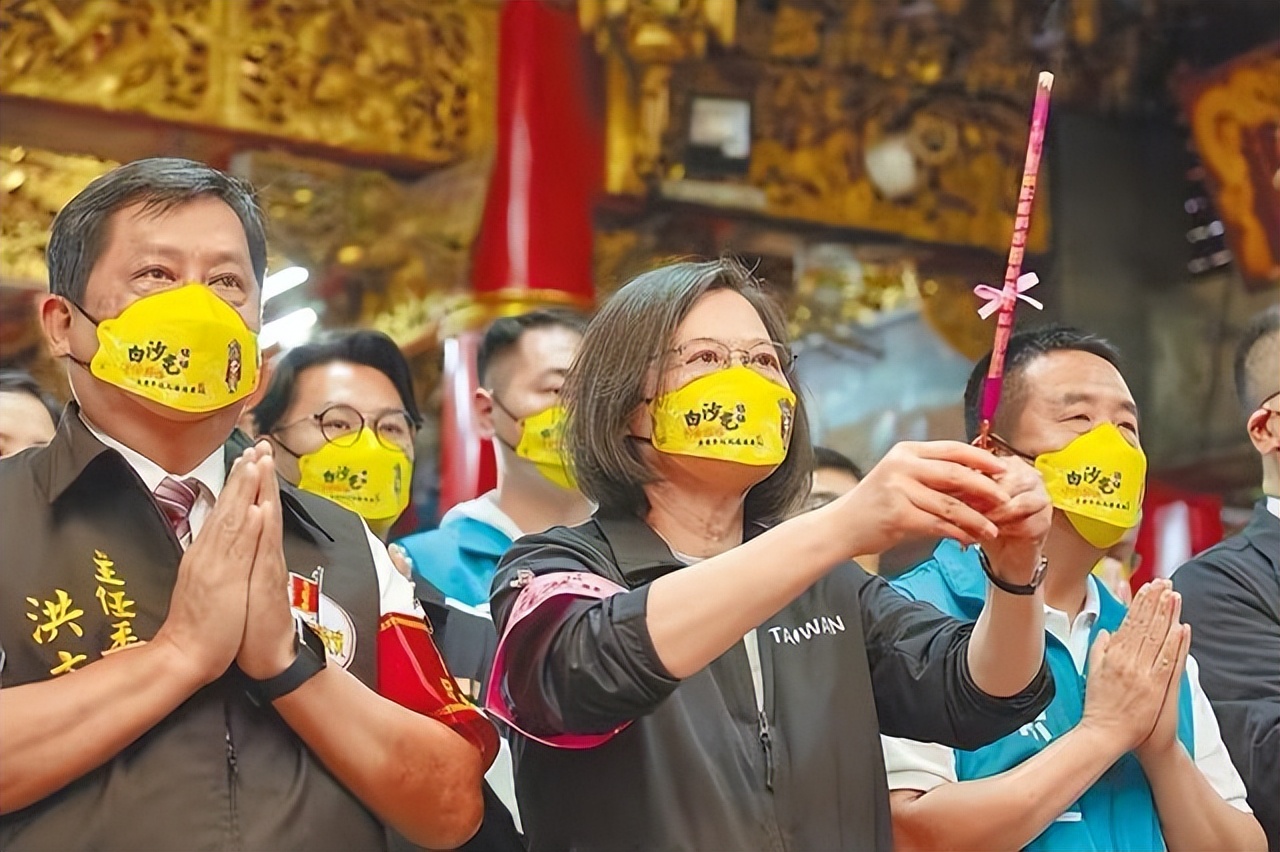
688,670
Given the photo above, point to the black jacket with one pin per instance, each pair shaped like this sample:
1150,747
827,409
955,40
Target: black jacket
1231,599
848,659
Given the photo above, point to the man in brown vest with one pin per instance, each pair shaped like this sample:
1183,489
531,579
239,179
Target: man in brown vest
193,654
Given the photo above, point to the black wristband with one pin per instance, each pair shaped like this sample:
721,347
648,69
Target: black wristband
1012,588
308,662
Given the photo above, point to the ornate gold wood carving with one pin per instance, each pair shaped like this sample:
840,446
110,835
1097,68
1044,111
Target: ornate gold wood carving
830,80
397,252
409,78
35,185
1235,121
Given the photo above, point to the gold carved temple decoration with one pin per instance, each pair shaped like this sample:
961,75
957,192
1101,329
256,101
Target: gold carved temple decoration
404,78
34,186
1234,114
394,254
642,42
948,83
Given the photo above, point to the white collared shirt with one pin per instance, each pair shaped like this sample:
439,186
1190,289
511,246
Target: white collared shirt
395,593
912,765
1273,506
210,473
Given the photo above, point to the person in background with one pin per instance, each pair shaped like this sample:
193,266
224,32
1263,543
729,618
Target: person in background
521,365
834,475
695,669
169,679
1132,762
343,415
1231,593
28,414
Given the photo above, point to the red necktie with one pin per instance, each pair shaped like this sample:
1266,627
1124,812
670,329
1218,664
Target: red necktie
175,497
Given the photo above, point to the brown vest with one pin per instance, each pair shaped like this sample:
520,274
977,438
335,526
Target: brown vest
87,561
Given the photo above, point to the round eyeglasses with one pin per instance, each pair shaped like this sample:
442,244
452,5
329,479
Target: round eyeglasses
341,425
704,355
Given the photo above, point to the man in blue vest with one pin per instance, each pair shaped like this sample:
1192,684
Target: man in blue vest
1137,763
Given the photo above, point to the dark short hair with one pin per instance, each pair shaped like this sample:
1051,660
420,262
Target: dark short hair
606,385
20,381
1025,347
827,459
80,230
370,348
504,333
1256,366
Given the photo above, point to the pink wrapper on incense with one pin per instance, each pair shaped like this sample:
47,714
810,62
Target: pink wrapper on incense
1021,225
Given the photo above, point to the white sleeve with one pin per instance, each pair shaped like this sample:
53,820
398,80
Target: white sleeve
912,765
395,593
1211,755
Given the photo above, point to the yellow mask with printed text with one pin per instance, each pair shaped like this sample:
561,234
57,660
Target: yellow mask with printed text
184,348
542,443
367,477
1098,481
734,415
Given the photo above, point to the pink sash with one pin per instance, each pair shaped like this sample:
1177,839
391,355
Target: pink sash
543,601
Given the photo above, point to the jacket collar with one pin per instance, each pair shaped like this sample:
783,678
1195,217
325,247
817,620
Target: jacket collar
640,553
71,451
1263,533
74,448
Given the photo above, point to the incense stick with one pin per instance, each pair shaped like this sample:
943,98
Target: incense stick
1021,225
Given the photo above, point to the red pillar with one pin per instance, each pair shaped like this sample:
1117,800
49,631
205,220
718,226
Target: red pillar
534,245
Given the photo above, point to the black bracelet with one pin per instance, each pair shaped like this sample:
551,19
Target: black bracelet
308,662
1012,588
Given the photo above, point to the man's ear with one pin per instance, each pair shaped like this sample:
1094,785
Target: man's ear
1264,431
55,321
482,408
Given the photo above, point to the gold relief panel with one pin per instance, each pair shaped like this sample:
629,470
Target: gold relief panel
406,78
394,253
412,78
159,57
1234,112
34,186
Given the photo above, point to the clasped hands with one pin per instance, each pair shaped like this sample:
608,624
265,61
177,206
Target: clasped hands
230,602
1131,696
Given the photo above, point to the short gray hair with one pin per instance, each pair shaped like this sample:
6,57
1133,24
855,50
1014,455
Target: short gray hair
80,230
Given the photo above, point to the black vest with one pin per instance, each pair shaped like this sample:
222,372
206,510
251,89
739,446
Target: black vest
87,561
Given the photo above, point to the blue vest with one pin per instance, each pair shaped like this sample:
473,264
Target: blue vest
459,558
1117,812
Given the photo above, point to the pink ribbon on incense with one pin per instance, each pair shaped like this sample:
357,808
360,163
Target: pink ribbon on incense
994,295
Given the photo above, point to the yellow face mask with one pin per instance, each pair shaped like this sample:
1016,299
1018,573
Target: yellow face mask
366,477
184,348
733,415
1098,480
542,442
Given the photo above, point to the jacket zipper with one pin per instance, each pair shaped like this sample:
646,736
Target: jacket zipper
766,742
232,779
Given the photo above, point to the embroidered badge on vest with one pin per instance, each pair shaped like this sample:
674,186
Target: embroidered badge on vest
331,621
60,612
